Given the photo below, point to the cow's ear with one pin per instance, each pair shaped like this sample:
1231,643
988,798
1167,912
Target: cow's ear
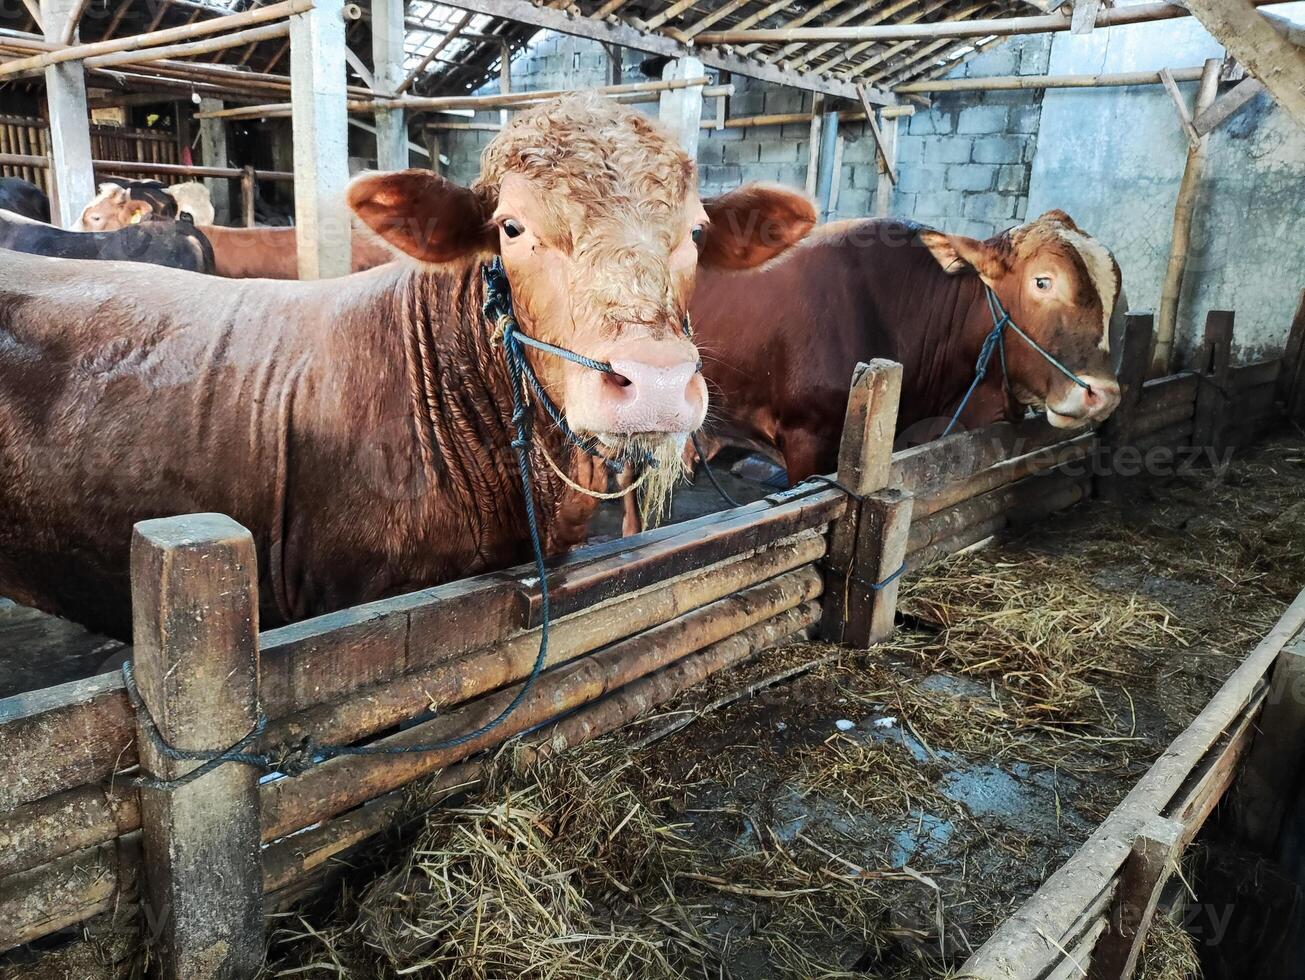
138,211
423,215
752,224
958,254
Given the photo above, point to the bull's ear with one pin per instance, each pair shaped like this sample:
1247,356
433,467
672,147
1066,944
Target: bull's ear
754,223
958,254
138,211
423,215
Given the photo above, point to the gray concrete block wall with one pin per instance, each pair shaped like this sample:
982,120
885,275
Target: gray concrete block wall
964,163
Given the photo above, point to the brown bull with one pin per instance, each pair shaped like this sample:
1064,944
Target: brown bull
360,427
779,342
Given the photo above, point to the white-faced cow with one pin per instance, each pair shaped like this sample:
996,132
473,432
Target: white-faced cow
360,427
779,343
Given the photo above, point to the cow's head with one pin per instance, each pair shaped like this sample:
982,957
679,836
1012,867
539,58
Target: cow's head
1060,286
596,215
113,208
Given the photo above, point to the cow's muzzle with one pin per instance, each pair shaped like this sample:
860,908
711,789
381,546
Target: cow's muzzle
1080,405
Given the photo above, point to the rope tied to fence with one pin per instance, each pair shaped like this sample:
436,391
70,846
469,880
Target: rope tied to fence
498,310
995,342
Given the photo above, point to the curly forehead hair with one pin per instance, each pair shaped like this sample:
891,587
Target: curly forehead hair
601,153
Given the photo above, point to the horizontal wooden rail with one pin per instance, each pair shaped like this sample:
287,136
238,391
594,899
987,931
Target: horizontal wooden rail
343,783
81,733
142,167
98,878
1033,939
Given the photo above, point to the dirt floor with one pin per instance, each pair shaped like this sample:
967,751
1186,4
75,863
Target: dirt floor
824,813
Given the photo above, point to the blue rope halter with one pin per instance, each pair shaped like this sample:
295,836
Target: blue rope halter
995,342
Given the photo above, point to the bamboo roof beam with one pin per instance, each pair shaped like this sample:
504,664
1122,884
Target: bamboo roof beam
724,10
805,18
1002,26
811,54
625,35
1005,83
139,42
851,52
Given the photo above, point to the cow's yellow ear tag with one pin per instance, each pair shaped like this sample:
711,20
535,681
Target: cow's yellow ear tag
136,217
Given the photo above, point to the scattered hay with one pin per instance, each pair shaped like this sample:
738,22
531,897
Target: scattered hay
1038,626
1168,953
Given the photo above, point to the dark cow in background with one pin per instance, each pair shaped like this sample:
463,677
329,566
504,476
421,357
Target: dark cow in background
779,343
175,244
361,427
24,198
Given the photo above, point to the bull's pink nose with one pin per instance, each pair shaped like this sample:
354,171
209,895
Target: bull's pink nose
1101,397
642,397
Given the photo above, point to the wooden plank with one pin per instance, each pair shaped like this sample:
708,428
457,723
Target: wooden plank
887,178
1119,429
1084,17
636,562
1017,948
63,893
887,163
1291,381
63,736
50,828
1152,858
195,644
1257,44
1227,105
1180,105
1255,374
869,592
1214,366
1276,755
1170,390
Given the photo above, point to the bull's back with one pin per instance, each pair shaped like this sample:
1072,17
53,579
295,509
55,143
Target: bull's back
273,253
129,393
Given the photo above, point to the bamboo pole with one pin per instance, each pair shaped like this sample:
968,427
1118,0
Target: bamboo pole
1184,213
133,166
217,25
998,27
494,101
191,48
1002,83
443,43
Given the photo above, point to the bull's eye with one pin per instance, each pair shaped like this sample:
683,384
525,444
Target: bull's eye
1043,283
512,228
697,234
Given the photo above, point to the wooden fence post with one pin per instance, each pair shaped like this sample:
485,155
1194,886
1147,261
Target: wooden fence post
867,544
1136,897
1117,432
1215,368
247,193
1291,380
195,631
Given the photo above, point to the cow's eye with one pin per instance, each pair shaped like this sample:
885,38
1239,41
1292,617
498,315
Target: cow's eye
1043,283
512,228
697,234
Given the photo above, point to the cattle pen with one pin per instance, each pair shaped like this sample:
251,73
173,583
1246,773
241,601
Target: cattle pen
243,801
638,620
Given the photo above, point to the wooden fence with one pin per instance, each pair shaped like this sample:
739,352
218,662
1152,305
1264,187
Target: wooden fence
637,621
24,136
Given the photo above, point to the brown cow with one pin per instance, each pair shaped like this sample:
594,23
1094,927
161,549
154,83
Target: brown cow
273,253
779,342
360,427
